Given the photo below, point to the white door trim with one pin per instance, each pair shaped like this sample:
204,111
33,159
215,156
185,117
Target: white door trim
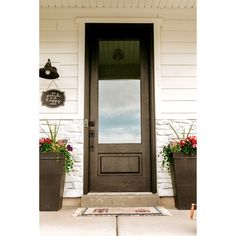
157,24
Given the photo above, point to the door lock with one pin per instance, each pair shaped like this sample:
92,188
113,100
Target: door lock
91,123
91,140
91,133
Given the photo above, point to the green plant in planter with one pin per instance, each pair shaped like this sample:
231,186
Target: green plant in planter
186,145
52,144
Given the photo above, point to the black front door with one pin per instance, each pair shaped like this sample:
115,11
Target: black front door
119,107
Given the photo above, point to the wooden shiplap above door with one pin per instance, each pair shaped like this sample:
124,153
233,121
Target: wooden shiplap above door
168,4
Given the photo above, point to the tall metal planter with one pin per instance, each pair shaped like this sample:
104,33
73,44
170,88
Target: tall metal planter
52,179
183,174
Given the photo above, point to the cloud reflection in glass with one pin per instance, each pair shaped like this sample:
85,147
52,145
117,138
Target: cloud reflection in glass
119,111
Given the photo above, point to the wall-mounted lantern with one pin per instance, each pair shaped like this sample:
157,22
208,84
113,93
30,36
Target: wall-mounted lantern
49,71
51,98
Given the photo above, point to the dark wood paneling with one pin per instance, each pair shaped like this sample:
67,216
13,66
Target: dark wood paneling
119,164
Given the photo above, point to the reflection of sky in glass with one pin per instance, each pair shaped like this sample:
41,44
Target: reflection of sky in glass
119,111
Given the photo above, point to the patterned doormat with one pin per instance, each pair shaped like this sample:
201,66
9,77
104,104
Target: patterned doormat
122,211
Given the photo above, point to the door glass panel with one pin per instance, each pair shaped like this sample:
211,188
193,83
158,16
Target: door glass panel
119,106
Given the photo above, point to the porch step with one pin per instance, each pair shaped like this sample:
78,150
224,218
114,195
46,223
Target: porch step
120,200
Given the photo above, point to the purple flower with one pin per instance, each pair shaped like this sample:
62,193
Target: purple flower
69,148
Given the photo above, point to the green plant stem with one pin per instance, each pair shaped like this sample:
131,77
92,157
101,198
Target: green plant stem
174,131
190,128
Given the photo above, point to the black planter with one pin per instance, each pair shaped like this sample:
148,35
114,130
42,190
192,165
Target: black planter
183,174
52,179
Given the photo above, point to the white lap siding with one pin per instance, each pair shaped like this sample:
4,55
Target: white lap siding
178,88
59,43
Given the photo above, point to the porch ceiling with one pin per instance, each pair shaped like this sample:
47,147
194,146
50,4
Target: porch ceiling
148,4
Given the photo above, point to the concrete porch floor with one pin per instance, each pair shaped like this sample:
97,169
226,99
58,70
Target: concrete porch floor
62,223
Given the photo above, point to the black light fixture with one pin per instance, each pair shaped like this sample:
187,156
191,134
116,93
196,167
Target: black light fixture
49,71
118,54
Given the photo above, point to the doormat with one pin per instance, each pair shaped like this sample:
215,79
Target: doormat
122,211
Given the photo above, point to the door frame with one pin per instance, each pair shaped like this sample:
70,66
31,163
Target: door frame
83,88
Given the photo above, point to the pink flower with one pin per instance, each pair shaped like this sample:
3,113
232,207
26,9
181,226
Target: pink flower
192,139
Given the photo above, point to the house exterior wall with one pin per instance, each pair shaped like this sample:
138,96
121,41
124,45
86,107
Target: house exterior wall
59,35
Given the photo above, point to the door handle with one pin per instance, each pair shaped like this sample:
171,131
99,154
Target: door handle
91,140
91,123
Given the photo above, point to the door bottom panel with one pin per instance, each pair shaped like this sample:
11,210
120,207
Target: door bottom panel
119,164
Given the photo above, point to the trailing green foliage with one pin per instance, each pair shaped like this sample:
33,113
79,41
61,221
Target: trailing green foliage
167,153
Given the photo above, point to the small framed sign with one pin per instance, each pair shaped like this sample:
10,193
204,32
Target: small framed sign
53,98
